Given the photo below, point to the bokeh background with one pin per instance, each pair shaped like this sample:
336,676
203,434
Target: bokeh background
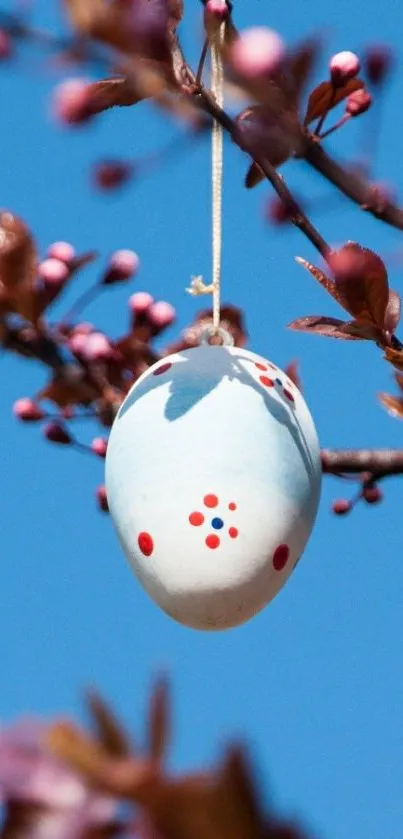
315,683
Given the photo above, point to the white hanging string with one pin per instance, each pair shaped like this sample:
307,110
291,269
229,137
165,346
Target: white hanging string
217,88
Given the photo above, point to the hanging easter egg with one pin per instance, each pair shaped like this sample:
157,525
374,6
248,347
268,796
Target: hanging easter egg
213,479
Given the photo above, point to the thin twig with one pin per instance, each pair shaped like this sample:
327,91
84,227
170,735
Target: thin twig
380,463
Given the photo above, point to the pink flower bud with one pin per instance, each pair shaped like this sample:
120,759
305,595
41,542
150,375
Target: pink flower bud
27,410
6,45
62,251
341,507
140,302
372,494
72,101
84,328
215,11
123,265
102,499
378,62
111,174
53,271
343,66
358,102
99,446
161,314
277,212
96,348
256,52
57,433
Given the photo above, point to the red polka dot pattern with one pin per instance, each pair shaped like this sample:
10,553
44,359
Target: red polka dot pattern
266,381
280,557
260,366
196,519
145,543
162,369
233,532
289,395
232,506
210,500
212,541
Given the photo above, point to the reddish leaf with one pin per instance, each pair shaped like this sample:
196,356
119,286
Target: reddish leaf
394,357
393,404
321,325
393,311
360,282
114,92
64,391
319,275
158,721
361,329
18,263
110,733
399,380
325,97
301,64
254,176
292,372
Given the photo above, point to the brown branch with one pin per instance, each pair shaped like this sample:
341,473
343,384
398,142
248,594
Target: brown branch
353,186
207,103
380,463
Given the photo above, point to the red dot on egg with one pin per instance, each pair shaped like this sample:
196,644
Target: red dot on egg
289,395
266,381
232,506
145,543
162,369
212,541
272,366
196,519
210,500
260,366
280,557
233,532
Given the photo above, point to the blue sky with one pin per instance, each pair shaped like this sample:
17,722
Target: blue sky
315,683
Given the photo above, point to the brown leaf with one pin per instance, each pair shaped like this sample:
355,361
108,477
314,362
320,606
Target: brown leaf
64,391
321,325
319,275
18,263
159,715
113,92
325,97
293,374
301,64
360,282
393,404
110,733
394,357
361,329
254,176
393,311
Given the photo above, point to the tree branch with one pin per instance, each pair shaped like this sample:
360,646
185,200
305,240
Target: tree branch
380,463
356,188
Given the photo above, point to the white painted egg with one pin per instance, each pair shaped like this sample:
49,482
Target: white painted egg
213,478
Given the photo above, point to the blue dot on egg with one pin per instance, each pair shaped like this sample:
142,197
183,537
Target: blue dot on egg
279,382
217,523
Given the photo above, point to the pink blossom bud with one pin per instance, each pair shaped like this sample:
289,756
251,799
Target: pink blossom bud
358,102
111,174
102,499
140,302
96,348
57,433
62,251
99,446
372,494
277,211
72,101
341,507
27,410
53,271
123,265
84,328
378,62
215,11
6,45
161,314
256,52
343,66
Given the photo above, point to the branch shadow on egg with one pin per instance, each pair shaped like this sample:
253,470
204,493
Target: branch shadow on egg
186,391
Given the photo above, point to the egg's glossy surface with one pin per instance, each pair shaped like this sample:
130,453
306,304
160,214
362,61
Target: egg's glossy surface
213,478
